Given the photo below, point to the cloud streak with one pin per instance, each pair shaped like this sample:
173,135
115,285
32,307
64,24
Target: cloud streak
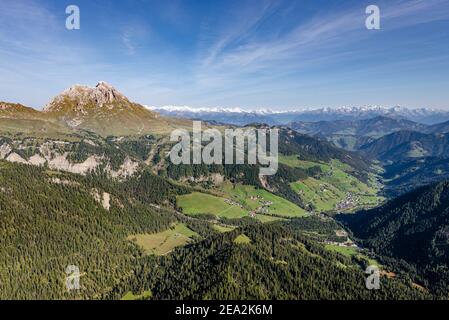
230,53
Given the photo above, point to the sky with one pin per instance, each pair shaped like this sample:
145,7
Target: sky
281,55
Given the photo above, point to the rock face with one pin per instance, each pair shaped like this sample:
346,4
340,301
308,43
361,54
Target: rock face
37,160
103,198
49,155
60,162
5,149
14,157
102,109
103,94
127,169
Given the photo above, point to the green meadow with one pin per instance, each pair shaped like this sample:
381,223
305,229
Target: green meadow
242,239
237,201
164,242
331,187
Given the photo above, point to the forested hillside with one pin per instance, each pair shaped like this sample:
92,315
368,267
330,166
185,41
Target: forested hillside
276,263
139,227
413,227
50,220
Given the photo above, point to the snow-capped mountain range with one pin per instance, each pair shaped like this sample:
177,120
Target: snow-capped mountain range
239,116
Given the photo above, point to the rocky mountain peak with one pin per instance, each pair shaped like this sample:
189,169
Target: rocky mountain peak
81,96
107,93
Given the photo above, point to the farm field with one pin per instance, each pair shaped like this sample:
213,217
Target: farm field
253,198
238,201
352,252
201,203
346,251
294,162
334,189
164,242
265,219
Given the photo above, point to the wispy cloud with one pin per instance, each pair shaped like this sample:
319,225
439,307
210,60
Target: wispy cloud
266,52
241,57
323,30
133,35
242,22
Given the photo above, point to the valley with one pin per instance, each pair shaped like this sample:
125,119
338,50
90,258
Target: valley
258,154
140,227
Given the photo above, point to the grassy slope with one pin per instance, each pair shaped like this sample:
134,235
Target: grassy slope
164,242
332,187
222,228
201,203
352,252
143,296
242,239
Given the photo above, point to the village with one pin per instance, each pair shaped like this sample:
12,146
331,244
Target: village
349,202
262,209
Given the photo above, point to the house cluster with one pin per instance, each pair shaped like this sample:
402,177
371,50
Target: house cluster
341,233
347,203
348,243
263,209
323,188
233,203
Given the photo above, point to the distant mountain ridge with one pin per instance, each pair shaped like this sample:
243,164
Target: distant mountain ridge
408,144
365,127
239,116
352,134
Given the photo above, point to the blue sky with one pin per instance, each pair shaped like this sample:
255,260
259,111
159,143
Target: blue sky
249,54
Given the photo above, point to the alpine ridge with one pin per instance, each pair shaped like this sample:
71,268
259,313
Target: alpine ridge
101,109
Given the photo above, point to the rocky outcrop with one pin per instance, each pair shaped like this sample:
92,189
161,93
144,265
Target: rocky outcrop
103,94
103,198
127,169
5,149
14,157
50,156
64,182
37,160
60,162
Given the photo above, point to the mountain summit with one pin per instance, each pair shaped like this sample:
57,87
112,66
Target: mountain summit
79,98
102,109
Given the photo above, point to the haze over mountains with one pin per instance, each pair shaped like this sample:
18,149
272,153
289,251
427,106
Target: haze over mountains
411,144
239,116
